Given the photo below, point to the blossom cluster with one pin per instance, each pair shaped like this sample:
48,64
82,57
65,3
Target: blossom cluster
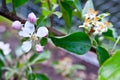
28,30
94,23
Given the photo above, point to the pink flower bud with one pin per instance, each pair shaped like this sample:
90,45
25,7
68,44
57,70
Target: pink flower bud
16,25
32,17
39,48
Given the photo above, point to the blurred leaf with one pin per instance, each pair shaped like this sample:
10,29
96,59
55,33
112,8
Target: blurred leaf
1,65
58,14
9,74
41,77
89,5
25,39
67,14
39,57
17,3
108,33
37,76
43,41
78,12
110,70
37,1
8,1
41,21
45,8
102,54
1,53
78,5
31,76
111,39
78,43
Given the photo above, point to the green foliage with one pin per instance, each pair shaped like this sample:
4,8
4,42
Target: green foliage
102,54
67,14
37,76
45,8
43,41
109,33
17,4
1,66
78,43
110,70
39,57
41,21
78,11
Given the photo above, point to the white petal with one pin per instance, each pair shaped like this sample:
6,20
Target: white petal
24,33
29,27
26,46
42,32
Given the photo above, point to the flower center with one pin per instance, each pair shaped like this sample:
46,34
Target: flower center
33,37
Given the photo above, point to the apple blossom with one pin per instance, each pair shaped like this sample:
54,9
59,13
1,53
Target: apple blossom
16,25
94,23
32,17
29,31
5,48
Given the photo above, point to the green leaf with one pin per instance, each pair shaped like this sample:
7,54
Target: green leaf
102,54
89,5
17,3
67,14
8,1
58,14
41,21
78,9
43,41
110,70
45,8
78,43
37,1
37,76
41,77
39,57
1,65
31,76
108,33
1,53
78,5
9,74
25,39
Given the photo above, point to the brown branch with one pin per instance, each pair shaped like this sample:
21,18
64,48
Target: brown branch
11,16
14,17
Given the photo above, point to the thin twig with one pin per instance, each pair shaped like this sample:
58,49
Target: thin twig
51,16
115,44
4,7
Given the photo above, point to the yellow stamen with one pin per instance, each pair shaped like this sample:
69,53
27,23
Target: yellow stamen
91,11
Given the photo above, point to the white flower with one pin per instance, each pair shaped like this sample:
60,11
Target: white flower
5,48
29,31
16,25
